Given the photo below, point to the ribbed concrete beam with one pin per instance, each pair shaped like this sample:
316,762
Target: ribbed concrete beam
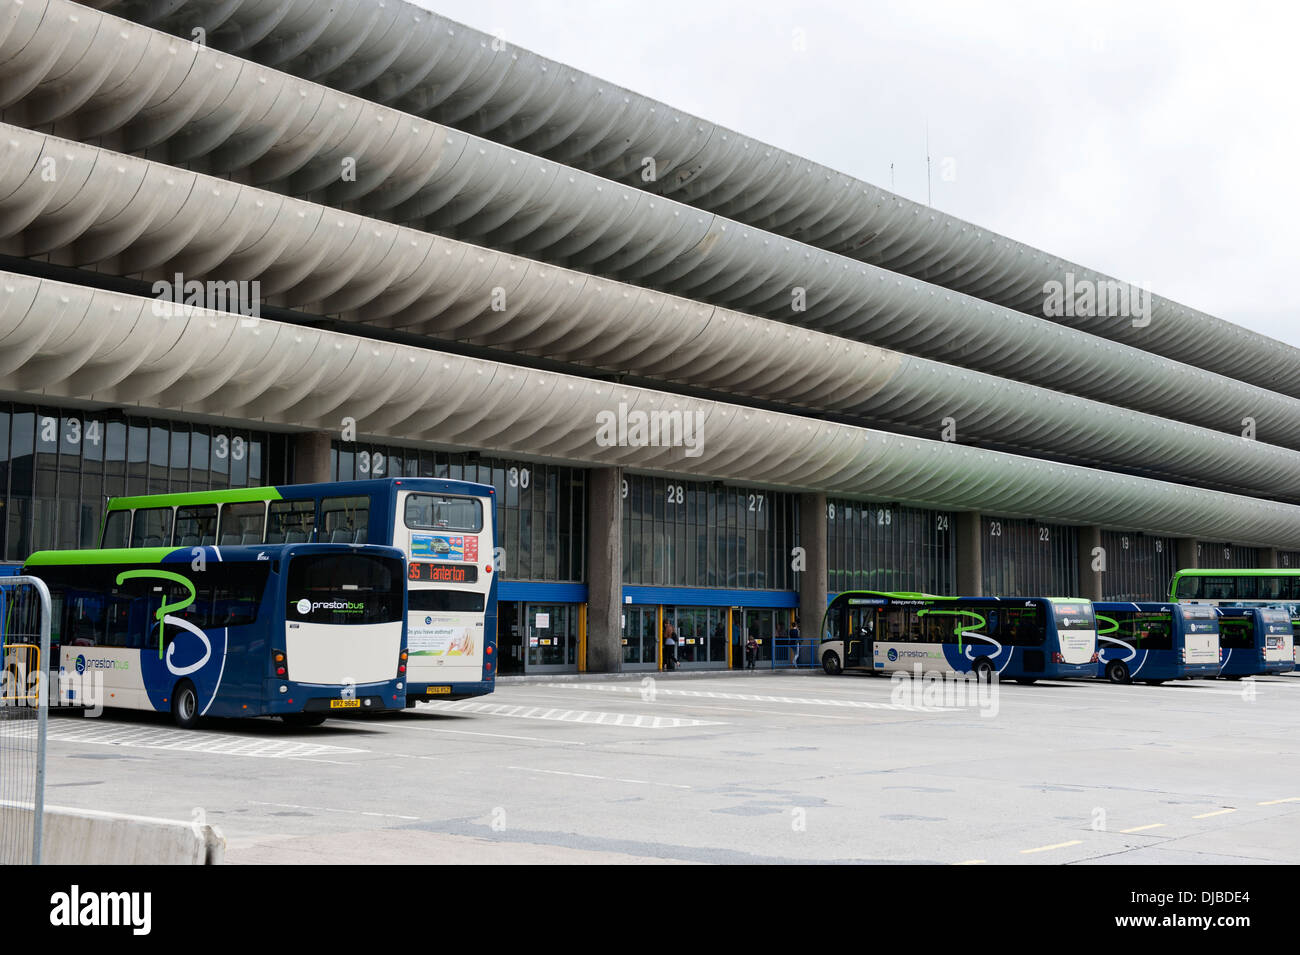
120,352
127,215
401,55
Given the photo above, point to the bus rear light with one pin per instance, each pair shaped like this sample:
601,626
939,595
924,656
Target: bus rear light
487,569
1057,657
1096,657
401,668
489,649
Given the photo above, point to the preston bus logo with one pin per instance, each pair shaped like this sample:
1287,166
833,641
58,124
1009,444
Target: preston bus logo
81,663
428,621
304,606
893,655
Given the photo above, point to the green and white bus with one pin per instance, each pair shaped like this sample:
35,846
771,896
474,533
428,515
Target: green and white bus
1266,587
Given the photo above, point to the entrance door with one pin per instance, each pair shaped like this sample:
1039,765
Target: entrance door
640,637
757,624
552,636
510,639
858,637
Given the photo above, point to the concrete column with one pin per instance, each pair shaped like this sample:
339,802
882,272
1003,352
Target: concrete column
970,554
1268,557
311,457
1090,581
812,581
604,570
1185,550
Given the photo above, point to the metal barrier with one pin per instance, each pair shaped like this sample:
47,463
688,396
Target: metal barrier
794,654
24,713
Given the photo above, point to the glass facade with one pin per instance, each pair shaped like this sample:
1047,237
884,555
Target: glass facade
1217,556
1138,567
59,465
686,534
541,508
891,548
1288,559
1023,558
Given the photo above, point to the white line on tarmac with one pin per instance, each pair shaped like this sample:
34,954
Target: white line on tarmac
650,694
609,779
357,812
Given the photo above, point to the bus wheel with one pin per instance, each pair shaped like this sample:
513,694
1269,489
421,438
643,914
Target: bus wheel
303,719
983,669
831,662
185,705
1117,672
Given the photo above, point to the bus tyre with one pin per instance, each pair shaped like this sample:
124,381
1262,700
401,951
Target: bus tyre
1117,672
185,705
983,669
831,662
303,719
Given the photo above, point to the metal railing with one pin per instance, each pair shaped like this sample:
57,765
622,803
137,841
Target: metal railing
24,714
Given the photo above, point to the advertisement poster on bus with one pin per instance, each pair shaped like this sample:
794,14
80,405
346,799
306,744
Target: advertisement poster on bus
444,635
462,547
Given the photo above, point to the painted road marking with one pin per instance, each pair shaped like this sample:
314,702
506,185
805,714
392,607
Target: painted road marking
1055,845
1217,812
1150,825
558,714
1276,802
649,694
184,741
358,812
609,779
972,862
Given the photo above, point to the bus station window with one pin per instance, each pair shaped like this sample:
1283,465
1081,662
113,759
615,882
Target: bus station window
344,520
196,525
290,522
152,527
242,523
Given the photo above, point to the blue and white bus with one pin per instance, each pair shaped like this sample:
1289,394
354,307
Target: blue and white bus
1255,641
299,631
1155,642
1019,638
1266,587
447,529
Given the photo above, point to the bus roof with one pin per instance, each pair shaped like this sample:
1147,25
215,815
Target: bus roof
1243,572
232,553
242,494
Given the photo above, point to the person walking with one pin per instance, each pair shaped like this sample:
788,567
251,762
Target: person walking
794,644
670,646
751,652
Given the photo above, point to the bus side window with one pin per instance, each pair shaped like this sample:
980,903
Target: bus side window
345,520
243,523
117,529
152,527
290,522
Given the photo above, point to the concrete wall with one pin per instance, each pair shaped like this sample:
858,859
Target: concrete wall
89,837
970,554
1090,581
604,570
311,457
812,582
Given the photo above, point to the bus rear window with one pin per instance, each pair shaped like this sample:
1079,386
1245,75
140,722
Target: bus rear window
1074,617
153,527
344,589
430,512
444,601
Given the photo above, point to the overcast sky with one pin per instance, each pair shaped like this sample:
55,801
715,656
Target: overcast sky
1156,142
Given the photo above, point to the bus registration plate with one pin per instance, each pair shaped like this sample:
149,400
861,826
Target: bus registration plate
345,704
439,690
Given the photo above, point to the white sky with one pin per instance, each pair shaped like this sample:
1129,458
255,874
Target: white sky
1156,142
